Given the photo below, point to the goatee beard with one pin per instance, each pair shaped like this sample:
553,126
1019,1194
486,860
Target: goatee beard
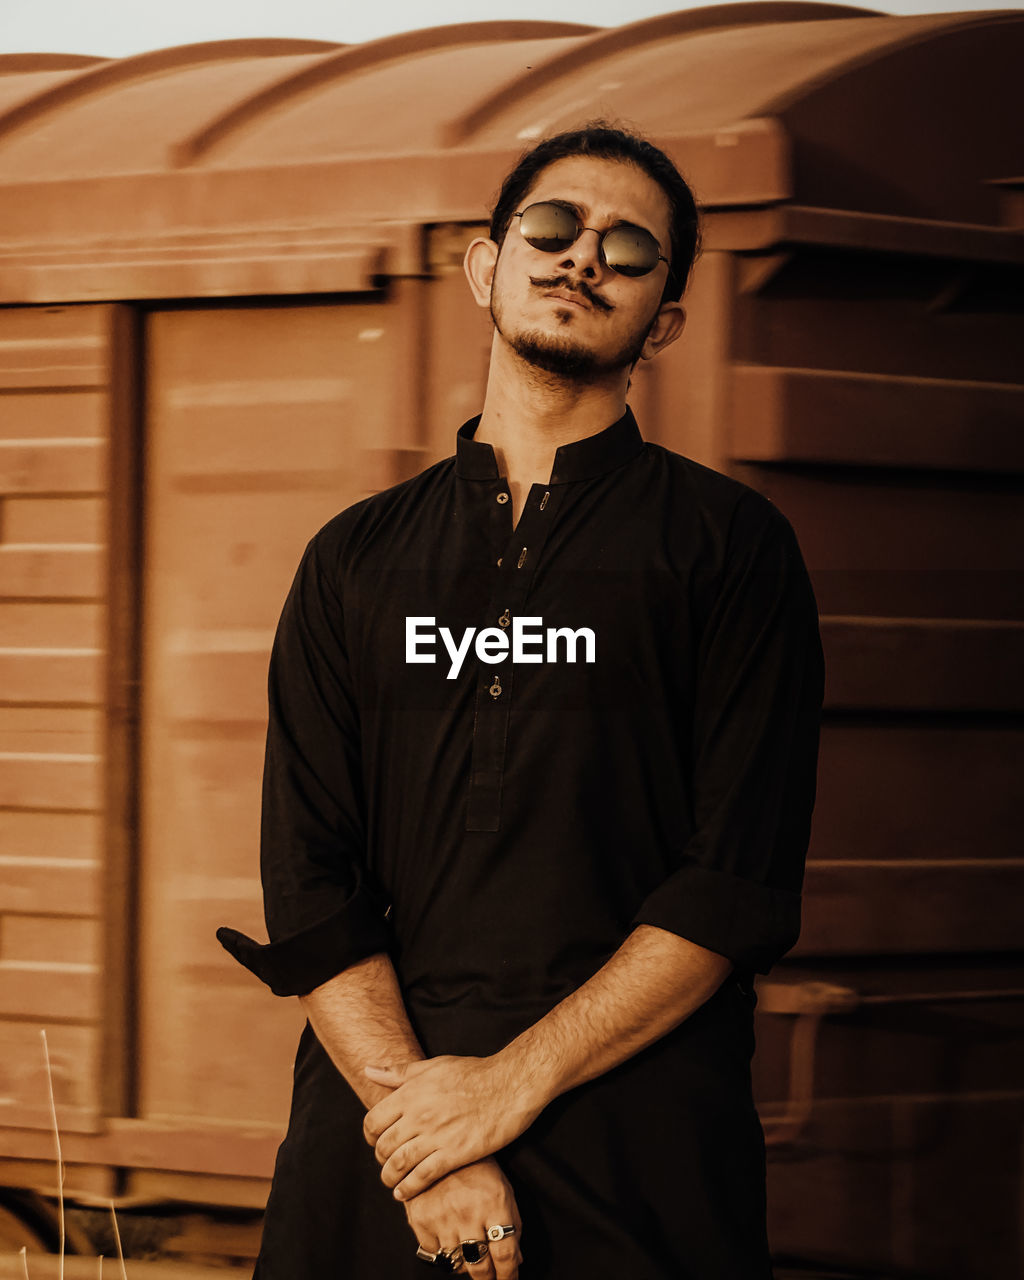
564,357
558,356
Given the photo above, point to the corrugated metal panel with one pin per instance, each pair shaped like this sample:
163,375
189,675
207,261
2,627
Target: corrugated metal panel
54,393
264,423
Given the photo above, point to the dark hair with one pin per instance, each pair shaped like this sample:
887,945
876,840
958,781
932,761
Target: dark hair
607,142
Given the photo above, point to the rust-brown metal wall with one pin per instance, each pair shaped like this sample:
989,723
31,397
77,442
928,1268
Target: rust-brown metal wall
876,400
55,423
261,425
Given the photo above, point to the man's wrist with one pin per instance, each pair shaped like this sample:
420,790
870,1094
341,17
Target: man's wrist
529,1080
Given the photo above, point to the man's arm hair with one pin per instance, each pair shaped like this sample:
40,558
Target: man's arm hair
649,986
359,1018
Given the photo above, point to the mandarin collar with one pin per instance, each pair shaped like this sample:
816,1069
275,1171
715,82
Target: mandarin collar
582,460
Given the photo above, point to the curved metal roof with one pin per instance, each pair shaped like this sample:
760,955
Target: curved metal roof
119,115
245,102
827,104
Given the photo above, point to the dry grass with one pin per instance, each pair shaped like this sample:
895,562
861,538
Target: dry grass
56,1139
117,1237
60,1187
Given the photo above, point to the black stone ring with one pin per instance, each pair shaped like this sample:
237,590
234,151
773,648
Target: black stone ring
474,1251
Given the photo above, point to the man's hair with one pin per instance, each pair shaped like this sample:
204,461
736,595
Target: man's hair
607,142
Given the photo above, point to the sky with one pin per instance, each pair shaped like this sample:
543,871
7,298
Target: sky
118,28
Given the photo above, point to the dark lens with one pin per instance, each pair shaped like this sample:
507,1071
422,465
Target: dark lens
549,227
631,251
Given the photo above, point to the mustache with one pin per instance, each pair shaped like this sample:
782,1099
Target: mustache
572,286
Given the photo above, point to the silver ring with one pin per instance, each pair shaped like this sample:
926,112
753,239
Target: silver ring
435,1259
499,1233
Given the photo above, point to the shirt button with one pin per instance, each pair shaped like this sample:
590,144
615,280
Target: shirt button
503,498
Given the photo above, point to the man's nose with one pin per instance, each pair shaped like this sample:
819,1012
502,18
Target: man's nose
585,255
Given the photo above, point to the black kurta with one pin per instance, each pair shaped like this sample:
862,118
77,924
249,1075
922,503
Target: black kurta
502,831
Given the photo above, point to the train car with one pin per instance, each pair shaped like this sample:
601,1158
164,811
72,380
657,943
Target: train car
231,304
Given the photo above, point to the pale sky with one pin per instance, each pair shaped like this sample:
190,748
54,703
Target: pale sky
116,28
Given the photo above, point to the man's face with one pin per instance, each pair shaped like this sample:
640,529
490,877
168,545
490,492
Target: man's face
567,312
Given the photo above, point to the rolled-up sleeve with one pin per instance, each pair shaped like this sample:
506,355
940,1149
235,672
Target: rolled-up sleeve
323,913
757,713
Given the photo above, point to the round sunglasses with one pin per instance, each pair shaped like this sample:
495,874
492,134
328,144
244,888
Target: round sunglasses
552,228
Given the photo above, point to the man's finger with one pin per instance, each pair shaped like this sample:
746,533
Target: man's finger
403,1158
381,1117
506,1257
391,1140
424,1175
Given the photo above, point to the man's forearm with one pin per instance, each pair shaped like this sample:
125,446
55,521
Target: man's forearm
650,985
359,1017
448,1111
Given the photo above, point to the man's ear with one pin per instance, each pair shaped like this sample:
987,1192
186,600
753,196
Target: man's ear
668,325
479,263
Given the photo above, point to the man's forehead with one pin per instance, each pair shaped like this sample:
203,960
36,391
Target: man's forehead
614,190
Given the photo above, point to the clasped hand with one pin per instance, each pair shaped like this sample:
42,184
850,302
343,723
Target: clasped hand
444,1113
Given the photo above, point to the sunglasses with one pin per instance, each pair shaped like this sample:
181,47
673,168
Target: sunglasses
552,228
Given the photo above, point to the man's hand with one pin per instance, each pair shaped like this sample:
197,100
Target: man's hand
461,1207
444,1113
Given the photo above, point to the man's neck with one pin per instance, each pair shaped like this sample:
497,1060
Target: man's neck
528,414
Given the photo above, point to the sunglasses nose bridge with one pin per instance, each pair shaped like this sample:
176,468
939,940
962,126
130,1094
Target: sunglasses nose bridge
592,249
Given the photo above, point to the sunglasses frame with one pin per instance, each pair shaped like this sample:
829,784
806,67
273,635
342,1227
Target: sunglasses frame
580,228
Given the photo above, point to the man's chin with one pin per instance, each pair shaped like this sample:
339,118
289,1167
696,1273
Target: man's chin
559,356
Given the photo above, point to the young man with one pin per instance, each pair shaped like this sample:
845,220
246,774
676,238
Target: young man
540,771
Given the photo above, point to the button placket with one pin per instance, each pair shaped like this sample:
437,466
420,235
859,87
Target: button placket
493,703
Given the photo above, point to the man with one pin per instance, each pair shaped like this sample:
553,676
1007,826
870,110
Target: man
540,770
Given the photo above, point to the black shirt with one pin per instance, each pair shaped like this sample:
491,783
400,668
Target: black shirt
499,825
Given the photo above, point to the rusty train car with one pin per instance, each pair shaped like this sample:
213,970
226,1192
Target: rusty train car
231,304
